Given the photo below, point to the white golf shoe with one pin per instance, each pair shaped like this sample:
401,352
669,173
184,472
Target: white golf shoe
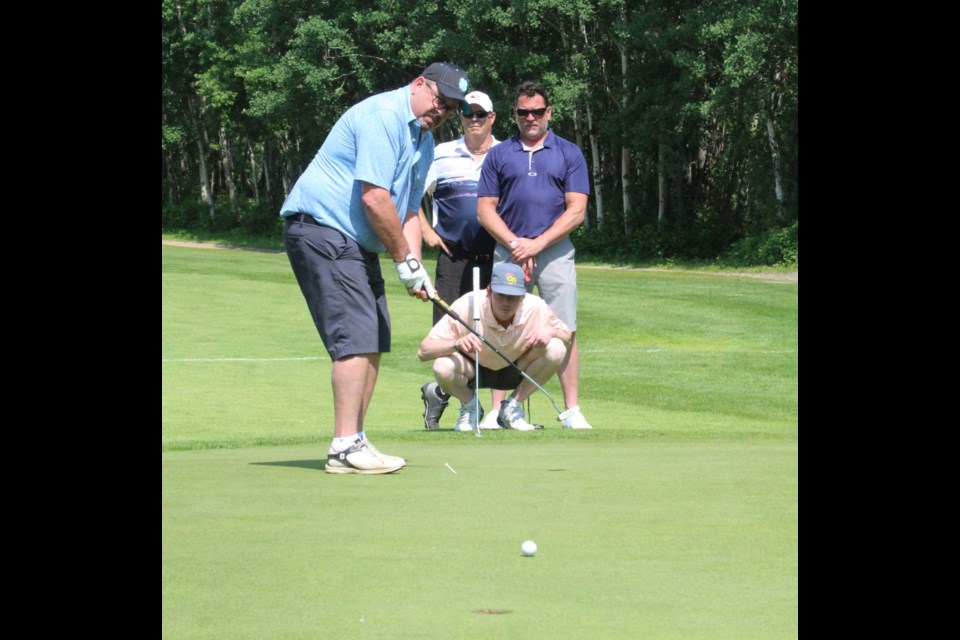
362,457
573,419
467,411
490,421
513,417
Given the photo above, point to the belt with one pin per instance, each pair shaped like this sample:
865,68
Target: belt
479,258
303,217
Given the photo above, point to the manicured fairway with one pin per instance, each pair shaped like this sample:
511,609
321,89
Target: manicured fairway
677,517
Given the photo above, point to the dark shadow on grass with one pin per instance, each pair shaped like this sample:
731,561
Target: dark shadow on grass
302,464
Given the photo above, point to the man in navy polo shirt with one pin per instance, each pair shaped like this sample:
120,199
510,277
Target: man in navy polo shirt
532,194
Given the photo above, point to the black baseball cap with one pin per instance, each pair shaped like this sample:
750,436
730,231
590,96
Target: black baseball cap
452,81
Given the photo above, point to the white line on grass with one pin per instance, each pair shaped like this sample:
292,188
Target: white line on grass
413,356
623,350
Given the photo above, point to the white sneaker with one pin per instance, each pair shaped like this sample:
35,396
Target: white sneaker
391,460
362,457
512,416
490,422
573,419
467,410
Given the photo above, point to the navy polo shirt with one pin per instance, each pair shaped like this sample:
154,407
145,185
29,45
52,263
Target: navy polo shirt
531,186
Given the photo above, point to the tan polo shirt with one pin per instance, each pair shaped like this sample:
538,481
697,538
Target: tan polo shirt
510,341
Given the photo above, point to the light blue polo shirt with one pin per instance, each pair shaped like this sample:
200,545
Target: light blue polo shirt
377,141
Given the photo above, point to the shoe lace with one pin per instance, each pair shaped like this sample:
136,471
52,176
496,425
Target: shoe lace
369,447
513,411
467,411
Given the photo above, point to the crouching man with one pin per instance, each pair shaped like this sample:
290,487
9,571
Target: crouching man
520,325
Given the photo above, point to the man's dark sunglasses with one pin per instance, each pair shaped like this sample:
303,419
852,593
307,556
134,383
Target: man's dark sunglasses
523,113
479,115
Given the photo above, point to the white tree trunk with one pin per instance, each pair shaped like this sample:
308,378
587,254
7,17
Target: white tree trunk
625,168
661,188
266,172
597,170
206,193
254,178
226,164
775,153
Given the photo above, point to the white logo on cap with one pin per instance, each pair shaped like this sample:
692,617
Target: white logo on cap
463,85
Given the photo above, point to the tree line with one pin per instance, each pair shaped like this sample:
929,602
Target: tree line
686,110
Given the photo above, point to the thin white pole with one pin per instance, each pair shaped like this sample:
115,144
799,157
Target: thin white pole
476,327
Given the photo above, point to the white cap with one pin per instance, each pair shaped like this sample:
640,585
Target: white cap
480,98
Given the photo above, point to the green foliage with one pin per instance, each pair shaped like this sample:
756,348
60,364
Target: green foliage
251,87
775,247
244,215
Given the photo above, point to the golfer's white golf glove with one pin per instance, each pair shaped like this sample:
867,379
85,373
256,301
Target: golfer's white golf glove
412,274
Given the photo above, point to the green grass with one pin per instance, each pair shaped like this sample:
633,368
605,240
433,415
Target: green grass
677,517
232,237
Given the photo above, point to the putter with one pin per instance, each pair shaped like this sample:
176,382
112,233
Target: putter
436,300
476,368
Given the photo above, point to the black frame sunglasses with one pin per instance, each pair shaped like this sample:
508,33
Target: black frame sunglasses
467,112
523,113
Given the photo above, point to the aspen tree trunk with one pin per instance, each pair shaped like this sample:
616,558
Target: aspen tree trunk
596,169
578,129
266,172
171,178
775,153
226,165
595,158
625,168
253,173
661,188
287,172
206,194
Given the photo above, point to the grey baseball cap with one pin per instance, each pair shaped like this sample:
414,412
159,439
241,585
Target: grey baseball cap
507,279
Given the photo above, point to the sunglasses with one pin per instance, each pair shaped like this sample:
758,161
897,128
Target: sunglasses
479,115
523,113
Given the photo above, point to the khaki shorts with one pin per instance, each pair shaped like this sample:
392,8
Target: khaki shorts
555,278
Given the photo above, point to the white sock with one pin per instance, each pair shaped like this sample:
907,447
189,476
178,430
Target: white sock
340,444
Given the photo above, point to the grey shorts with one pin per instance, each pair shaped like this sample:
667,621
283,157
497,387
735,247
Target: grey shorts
555,278
343,287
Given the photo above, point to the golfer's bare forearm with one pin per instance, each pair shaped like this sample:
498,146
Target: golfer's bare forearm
385,220
433,348
569,220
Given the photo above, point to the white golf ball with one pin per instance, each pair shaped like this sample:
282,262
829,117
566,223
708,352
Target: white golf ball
529,548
